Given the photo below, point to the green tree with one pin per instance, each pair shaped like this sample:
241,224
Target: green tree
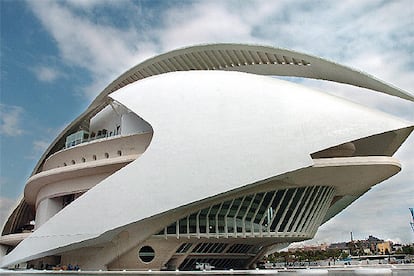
408,249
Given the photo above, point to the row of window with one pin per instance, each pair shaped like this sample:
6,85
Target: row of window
146,253
215,248
82,136
296,210
240,248
94,158
209,248
216,263
184,248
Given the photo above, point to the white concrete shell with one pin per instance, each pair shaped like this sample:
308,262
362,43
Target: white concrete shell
218,134
261,60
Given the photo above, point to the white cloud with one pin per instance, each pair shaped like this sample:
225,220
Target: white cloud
203,23
46,74
38,148
102,50
10,120
40,145
42,142
88,4
106,50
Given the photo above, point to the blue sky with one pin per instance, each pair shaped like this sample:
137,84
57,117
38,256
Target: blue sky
56,56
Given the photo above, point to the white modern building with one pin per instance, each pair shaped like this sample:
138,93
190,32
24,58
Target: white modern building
200,156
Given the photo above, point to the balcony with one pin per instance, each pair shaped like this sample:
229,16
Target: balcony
83,136
97,148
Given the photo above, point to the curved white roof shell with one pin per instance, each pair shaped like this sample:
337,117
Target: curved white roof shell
214,132
262,60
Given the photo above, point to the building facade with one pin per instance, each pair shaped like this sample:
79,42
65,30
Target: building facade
199,157
384,248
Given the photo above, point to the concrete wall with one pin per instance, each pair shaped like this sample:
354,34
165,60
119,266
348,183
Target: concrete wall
49,199
106,119
164,249
46,209
131,124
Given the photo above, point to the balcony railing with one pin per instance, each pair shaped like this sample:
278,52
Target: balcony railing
82,136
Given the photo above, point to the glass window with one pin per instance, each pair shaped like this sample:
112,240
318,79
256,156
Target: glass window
146,254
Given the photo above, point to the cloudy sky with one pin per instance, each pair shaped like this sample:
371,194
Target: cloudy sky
56,56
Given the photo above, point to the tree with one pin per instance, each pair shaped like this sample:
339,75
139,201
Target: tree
408,249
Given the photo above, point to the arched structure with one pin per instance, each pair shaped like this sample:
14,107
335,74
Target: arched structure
195,156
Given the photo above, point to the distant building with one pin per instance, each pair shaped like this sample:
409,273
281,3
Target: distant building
397,247
367,251
384,247
307,248
373,242
365,247
343,246
199,158
338,245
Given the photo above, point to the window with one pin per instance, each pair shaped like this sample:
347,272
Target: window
76,138
94,157
184,248
106,155
83,159
67,199
73,162
119,153
146,254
